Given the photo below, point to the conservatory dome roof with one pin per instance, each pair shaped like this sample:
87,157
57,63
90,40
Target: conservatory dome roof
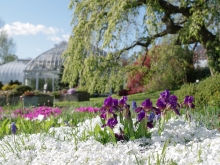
13,71
49,60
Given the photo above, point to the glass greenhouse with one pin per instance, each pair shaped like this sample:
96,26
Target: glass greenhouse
44,69
13,71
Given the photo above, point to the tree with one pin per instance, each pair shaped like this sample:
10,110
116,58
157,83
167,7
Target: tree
170,66
59,85
7,46
124,25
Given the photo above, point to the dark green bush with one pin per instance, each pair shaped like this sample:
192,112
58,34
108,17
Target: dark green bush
14,82
207,89
15,93
1,85
206,92
198,74
22,88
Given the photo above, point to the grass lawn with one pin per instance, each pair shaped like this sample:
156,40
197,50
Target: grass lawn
98,101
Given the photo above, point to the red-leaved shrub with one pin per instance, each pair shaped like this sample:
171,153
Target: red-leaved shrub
135,82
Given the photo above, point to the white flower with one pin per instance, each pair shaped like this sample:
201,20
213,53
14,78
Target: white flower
40,117
60,120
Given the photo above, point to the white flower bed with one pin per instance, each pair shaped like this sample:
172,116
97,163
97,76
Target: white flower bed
186,144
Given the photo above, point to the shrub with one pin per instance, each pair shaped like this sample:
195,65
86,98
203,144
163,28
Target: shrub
205,92
207,89
138,74
14,82
56,94
215,99
9,87
22,88
186,89
198,74
123,92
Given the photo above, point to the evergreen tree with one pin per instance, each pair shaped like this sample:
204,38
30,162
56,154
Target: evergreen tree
59,85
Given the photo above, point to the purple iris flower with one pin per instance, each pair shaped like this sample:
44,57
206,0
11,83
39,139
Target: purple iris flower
123,100
138,109
174,106
103,115
108,102
147,104
112,122
119,137
141,115
134,105
115,102
161,104
173,98
165,95
157,111
13,128
188,101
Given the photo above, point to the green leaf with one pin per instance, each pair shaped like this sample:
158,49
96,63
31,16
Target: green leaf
112,134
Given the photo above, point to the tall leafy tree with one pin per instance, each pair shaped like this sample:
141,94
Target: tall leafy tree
123,25
7,46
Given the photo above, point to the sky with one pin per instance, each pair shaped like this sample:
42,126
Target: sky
36,25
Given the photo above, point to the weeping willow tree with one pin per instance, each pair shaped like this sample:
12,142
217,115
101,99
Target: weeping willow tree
124,26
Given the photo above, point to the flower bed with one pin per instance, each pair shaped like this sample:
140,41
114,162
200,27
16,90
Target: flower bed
156,135
180,143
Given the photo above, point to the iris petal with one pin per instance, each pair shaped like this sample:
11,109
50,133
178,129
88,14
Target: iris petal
147,104
141,115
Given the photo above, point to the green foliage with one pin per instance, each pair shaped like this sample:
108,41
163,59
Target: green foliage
9,87
198,74
215,99
14,82
109,25
170,65
208,116
1,85
56,94
206,92
103,136
37,126
23,88
59,85
206,89
7,46
16,90
186,89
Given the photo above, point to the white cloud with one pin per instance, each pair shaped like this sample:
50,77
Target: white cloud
18,28
66,37
55,39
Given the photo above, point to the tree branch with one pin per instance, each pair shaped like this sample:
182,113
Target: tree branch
168,7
